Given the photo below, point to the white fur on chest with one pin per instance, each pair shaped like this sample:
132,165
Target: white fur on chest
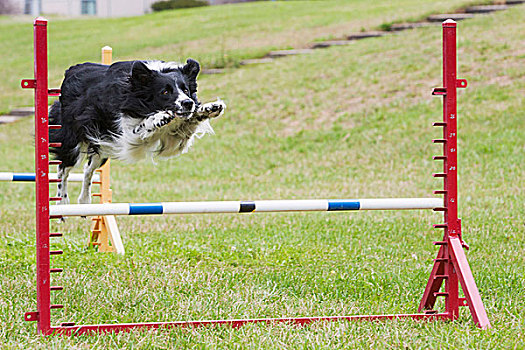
140,138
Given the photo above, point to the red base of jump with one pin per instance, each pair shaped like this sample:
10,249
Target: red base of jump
122,327
450,269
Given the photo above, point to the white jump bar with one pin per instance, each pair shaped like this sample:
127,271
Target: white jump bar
30,177
244,206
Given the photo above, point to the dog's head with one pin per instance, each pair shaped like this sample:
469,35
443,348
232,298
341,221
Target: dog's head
164,86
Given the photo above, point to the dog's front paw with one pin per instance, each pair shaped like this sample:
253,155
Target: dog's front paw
212,109
163,118
147,128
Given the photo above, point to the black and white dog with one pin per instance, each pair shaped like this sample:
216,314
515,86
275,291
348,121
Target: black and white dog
127,111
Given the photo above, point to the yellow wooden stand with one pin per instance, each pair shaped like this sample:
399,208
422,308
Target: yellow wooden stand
104,229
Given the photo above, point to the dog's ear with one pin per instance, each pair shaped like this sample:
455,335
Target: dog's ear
140,73
191,69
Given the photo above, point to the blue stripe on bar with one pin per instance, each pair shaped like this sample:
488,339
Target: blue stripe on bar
24,177
145,208
343,205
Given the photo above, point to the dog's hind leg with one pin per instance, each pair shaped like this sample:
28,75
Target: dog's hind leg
94,162
63,174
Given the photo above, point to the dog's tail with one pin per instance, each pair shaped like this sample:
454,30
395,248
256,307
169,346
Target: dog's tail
55,118
68,153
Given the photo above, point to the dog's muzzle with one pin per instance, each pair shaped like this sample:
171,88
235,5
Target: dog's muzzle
185,109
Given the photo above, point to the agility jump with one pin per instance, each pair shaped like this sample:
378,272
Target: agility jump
450,268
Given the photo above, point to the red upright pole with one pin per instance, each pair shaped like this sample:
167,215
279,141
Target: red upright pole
450,162
451,265
43,267
458,267
42,179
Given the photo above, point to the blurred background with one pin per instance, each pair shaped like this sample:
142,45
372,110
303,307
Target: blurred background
100,8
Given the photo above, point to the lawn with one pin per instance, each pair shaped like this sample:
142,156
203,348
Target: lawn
345,122
217,36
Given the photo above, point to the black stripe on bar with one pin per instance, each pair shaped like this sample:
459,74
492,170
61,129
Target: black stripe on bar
247,207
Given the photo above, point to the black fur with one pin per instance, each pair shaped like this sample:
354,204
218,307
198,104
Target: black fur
126,110
93,97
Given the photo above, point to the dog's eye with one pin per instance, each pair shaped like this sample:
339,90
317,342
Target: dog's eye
165,92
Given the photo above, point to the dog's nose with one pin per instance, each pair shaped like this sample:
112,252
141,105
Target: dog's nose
187,104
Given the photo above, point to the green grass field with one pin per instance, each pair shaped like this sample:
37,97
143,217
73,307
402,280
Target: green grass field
345,122
218,36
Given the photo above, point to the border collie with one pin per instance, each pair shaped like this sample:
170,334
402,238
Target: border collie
127,111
